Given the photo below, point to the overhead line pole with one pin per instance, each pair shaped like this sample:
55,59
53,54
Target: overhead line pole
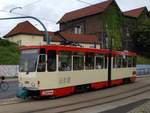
22,17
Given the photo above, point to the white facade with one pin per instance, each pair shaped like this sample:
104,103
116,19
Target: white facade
27,40
30,40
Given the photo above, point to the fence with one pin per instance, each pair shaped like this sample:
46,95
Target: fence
9,70
143,71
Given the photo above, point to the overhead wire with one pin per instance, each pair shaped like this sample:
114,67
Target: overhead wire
84,2
20,14
30,4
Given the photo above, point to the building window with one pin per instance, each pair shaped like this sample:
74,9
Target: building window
77,29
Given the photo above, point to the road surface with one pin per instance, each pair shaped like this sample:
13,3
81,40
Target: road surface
11,92
119,99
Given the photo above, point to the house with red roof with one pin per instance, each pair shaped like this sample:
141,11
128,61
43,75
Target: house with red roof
87,26
25,34
90,20
132,19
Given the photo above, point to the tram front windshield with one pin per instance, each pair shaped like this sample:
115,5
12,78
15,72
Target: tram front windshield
28,60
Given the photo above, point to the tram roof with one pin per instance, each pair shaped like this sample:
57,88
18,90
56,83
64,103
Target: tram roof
78,49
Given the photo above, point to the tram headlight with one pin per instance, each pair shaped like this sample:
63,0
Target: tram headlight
33,84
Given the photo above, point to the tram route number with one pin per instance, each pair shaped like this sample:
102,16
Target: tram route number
64,80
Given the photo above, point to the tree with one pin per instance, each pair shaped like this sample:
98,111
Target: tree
141,38
112,20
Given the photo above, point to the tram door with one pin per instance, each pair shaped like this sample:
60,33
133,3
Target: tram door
41,67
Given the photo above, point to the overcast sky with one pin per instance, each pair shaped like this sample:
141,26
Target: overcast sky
50,11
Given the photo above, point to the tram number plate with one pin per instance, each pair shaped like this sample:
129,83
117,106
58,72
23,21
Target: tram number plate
64,80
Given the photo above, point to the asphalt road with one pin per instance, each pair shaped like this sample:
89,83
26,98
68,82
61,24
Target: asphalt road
127,108
11,92
99,101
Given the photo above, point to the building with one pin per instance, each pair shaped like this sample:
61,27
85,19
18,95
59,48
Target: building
132,20
99,25
25,34
93,20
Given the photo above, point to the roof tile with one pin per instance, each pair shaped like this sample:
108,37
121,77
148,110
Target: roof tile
87,11
25,28
135,12
80,38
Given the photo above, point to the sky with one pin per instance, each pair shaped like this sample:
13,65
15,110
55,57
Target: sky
50,11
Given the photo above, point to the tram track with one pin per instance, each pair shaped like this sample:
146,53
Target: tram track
79,102
95,99
98,104
84,101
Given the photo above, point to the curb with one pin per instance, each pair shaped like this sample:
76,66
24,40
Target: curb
140,76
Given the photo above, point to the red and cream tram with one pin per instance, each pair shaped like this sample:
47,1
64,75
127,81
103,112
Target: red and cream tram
57,70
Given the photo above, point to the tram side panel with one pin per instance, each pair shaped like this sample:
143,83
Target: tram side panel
71,78
122,73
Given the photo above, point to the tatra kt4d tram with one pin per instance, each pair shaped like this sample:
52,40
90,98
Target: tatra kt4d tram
57,70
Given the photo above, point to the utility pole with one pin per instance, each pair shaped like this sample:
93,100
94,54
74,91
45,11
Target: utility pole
31,17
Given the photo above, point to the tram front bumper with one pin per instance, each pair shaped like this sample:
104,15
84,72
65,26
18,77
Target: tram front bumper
22,92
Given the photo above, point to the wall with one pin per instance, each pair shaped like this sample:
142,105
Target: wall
87,24
27,40
85,45
95,25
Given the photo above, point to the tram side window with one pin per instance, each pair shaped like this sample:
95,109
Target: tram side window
41,63
64,63
124,61
134,61
42,51
51,61
114,62
78,61
130,61
118,61
99,61
89,61
106,61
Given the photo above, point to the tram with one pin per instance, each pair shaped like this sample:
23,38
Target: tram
58,70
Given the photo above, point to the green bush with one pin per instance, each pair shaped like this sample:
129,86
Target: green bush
143,60
9,53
